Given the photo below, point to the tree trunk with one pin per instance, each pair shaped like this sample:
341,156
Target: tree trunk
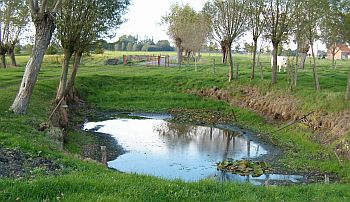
333,60
70,86
302,60
347,97
254,59
274,63
64,73
178,42
230,76
314,69
224,54
179,56
12,56
3,60
44,26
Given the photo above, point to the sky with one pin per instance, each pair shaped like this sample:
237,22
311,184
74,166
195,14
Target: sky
144,17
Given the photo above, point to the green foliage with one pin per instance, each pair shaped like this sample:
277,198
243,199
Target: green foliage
51,50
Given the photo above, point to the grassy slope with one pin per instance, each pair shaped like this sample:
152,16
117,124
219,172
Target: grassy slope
159,89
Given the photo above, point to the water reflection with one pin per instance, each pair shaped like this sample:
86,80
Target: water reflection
175,150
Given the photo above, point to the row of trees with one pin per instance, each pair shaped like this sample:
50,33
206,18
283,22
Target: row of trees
225,21
78,25
131,43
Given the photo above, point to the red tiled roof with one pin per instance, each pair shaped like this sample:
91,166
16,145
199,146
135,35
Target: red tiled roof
343,48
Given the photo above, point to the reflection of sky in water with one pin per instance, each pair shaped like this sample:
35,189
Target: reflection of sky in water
173,150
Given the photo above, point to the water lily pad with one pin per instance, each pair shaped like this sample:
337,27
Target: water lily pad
244,167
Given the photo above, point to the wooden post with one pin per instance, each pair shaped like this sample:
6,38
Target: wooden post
124,59
261,71
326,179
195,63
104,155
248,149
214,65
158,60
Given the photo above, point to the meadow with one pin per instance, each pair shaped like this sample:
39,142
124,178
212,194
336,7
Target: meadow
158,89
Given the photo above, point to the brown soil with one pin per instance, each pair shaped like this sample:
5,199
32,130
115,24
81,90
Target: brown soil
14,163
330,128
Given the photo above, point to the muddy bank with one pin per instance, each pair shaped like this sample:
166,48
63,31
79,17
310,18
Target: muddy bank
14,163
330,128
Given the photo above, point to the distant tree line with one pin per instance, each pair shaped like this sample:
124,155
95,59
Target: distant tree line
132,43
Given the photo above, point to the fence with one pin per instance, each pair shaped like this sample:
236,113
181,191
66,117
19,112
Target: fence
148,60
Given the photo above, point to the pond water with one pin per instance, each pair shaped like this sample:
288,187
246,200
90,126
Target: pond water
172,150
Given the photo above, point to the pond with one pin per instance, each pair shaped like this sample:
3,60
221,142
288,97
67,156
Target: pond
159,147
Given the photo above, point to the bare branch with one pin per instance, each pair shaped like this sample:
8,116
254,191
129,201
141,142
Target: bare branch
57,6
43,7
33,6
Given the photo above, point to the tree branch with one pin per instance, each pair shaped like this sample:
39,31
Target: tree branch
43,7
33,6
57,6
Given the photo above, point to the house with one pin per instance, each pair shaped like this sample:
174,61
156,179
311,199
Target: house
342,52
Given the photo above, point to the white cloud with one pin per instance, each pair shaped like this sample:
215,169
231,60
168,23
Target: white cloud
144,17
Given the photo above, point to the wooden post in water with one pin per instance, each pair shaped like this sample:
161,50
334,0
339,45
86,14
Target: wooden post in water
104,155
248,149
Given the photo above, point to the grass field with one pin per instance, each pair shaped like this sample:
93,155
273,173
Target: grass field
159,89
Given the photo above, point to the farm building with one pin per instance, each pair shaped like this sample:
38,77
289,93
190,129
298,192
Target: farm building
342,52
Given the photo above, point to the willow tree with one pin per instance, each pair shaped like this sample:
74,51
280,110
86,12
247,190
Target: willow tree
331,30
196,33
279,19
43,15
80,24
13,18
256,25
179,21
310,19
229,22
344,14
18,17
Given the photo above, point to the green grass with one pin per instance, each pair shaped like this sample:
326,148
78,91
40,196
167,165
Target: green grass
159,89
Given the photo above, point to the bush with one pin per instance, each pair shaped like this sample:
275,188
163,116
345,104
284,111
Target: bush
51,50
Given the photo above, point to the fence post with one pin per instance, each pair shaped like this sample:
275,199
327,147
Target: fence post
214,65
158,60
261,71
104,155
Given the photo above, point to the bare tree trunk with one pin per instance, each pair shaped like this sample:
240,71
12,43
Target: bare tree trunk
179,56
64,73
3,60
314,69
230,76
12,56
254,59
274,64
70,86
333,60
302,60
45,26
347,97
224,54
178,42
